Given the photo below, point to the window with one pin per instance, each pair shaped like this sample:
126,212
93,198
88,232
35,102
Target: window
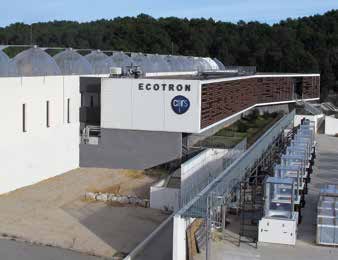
47,114
68,110
24,126
91,101
82,99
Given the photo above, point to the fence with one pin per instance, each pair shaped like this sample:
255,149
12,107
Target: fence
215,194
202,169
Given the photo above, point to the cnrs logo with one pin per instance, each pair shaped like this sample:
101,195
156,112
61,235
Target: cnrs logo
180,104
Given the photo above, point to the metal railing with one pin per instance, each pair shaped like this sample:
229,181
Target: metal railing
242,70
226,181
91,135
206,171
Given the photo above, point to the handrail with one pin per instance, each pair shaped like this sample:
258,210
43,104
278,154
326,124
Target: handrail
226,181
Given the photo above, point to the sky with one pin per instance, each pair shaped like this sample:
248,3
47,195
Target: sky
268,11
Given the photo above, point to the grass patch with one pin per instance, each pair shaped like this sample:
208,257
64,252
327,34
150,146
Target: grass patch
133,174
251,127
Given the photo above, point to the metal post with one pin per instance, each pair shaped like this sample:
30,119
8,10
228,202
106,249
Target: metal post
208,226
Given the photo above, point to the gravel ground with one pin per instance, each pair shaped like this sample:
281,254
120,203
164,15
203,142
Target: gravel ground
53,212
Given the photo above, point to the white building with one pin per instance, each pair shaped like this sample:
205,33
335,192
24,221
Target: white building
138,122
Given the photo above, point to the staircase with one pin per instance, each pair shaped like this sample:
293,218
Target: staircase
251,210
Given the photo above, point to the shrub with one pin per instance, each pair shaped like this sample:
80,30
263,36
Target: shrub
242,127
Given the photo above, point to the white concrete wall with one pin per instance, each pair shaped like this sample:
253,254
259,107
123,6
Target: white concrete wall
179,237
126,106
164,198
331,125
197,170
41,152
315,118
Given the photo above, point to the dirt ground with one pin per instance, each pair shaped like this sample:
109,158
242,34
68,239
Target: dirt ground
54,212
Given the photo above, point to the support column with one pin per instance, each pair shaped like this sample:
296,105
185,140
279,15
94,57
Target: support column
179,238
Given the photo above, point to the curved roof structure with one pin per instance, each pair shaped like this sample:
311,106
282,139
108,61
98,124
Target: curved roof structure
139,59
197,65
205,65
186,62
35,62
7,67
213,65
174,63
159,64
219,64
73,63
100,62
120,59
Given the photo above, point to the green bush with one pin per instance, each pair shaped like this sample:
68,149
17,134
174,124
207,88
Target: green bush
242,127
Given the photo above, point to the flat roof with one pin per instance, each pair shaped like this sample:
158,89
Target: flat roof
219,77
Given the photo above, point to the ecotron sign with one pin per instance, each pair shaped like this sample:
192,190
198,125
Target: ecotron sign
164,87
180,104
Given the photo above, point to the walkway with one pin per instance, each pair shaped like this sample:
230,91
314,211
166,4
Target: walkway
14,250
325,171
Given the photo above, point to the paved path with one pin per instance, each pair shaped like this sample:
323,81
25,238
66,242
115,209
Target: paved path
325,171
13,250
160,247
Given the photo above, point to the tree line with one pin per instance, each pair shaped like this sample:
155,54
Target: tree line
304,45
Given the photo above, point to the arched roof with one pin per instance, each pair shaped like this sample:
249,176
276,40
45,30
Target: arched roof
7,67
72,63
120,59
219,64
100,62
174,63
159,64
35,62
139,59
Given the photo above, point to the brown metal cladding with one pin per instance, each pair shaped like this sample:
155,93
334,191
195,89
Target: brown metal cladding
223,99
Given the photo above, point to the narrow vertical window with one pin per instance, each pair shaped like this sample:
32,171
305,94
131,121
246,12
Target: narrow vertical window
91,101
47,114
24,125
82,101
68,110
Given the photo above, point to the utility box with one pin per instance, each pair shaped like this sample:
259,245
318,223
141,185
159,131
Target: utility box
278,231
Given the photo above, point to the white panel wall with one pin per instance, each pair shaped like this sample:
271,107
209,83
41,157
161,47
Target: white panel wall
331,125
41,152
196,170
315,118
125,106
164,198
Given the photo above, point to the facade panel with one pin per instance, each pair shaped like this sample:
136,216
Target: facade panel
149,104
39,152
225,98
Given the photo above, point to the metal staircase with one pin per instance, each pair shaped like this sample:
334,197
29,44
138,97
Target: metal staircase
251,210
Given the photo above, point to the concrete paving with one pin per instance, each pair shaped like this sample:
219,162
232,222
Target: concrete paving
54,212
160,246
14,250
325,171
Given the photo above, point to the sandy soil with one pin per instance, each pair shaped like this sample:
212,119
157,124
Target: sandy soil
53,212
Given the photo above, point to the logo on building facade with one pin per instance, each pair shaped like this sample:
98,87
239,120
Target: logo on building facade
180,104
164,87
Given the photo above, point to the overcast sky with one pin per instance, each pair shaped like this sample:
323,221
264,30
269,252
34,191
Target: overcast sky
269,11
